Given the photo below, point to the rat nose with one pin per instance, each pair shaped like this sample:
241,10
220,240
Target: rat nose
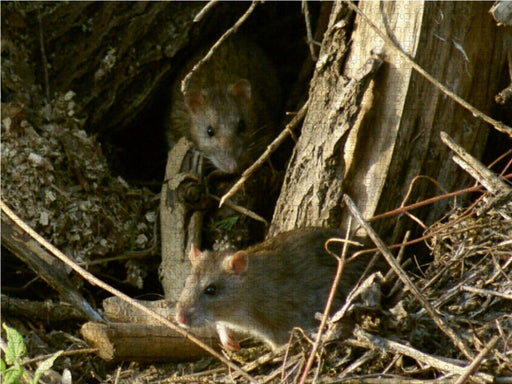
231,165
181,318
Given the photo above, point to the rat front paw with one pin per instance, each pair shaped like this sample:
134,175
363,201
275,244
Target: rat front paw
226,339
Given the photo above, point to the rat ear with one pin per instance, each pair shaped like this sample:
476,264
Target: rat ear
238,262
193,100
194,253
241,90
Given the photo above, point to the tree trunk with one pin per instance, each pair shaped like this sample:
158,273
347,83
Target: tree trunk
396,136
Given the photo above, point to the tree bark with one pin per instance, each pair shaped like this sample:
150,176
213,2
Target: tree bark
114,55
396,135
141,342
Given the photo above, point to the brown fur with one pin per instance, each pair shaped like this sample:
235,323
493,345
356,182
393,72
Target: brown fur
238,95
281,284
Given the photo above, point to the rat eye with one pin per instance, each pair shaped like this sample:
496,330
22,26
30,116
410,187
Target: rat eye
210,131
241,126
210,290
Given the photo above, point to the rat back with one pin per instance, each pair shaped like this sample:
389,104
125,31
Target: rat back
284,282
293,274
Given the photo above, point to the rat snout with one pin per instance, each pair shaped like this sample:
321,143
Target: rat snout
182,318
228,154
225,162
231,164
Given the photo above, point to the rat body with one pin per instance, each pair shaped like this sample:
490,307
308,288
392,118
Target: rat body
265,290
231,106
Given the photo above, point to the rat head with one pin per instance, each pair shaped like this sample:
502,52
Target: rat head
212,290
222,123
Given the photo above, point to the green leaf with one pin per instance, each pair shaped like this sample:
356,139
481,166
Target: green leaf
3,367
44,366
12,375
15,345
227,223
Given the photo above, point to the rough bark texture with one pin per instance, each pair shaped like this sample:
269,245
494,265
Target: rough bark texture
114,54
131,335
397,136
141,342
312,185
180,224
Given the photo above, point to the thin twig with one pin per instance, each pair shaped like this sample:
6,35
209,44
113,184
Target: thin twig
477,361
205,10
334,286
497,124
419,204
354,365
186,81
242,210
487,292
64,353
43,56
277,371
406,280
309,32
397,211
475,168
95,281
266,155
436,362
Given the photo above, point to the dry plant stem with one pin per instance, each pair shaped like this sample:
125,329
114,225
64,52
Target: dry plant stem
205,10
378,378
405,279
509,164
469,212
394,212
229,32
43,57
499,158
118,373
368,356
486,292
95,281
278,371
436,362
475,168
419,204
497,124
266,155
242,210
477,361
413,182
193,377
65,353
260,361
309,33
334,286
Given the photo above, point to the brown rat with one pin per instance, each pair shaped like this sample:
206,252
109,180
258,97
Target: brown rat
265,290
231,106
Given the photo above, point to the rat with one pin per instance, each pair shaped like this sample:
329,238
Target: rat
231,106
266,289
